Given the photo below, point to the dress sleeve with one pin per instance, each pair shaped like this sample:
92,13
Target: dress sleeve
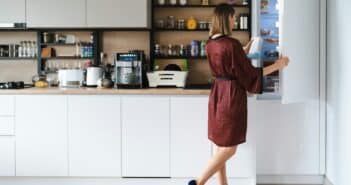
247,75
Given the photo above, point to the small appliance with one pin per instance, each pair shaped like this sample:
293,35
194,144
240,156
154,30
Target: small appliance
70,78
94,75
130,70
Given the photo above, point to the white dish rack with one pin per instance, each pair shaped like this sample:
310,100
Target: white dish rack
167,78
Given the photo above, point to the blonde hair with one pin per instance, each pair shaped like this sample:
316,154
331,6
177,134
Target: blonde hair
220,20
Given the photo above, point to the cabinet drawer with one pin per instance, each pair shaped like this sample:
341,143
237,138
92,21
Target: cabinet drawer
7,126
7,105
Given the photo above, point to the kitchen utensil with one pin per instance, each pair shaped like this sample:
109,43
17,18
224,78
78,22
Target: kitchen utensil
167,78
14,85
94,74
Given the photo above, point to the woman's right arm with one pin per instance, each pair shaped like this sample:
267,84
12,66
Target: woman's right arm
279,64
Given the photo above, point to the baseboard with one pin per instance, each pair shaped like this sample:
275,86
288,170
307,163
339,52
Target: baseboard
112,181
327,182
290,179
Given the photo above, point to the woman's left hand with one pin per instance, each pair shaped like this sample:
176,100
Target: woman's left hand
248,47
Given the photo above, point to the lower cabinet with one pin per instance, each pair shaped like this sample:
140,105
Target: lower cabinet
41,136
288,138
145,136
190,148
7,156
94,136
114,136
243,163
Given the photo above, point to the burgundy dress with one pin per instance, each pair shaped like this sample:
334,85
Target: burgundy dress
227,108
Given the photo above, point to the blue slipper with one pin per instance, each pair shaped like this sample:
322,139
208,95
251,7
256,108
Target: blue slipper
192,182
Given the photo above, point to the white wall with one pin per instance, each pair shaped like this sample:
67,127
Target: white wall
339,92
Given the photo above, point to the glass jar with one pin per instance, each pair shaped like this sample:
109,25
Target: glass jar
157,50
180,24
205,2
191,23
161,2
160,23
170,50
170,22
183,2
203,25
173,2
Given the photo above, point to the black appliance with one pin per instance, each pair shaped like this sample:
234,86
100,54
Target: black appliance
14,85
130,70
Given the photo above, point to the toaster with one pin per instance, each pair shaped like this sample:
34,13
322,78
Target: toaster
70,77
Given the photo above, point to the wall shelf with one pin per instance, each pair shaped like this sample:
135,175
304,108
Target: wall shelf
18,58
196,6
179,57
195,30
58,44
68,58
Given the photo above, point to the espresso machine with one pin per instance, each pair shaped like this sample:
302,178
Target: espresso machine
130,70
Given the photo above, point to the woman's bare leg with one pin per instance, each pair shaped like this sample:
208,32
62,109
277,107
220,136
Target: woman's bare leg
216,163
222,174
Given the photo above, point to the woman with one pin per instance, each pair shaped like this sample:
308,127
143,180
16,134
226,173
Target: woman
234,77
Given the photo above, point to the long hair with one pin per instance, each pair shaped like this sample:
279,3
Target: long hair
220,19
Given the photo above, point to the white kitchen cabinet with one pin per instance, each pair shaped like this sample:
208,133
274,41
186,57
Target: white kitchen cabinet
243,163
13,11
7,105
287,138
7,126
300,80
41,136
56,13
7,156
145,136
118,13
190,148
94,136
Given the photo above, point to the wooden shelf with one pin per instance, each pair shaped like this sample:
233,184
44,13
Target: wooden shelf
179,57
187,30
196,6
58,44
18,58
67,58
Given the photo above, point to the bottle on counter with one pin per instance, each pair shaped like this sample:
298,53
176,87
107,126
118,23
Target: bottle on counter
20,49
170,22
170,50
157,50
90,50
35,49
203,48
78,50
194,48
182,50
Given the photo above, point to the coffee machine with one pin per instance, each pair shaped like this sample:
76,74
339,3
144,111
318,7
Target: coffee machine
130,70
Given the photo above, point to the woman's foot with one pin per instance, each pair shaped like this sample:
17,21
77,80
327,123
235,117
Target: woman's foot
192,182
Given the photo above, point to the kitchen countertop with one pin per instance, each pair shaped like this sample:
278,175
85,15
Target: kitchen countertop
97,91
